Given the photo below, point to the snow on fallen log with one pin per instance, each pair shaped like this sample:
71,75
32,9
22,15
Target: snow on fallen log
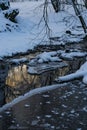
30,94
72,76
82,72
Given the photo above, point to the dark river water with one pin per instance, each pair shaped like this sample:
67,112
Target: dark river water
64,108
15,79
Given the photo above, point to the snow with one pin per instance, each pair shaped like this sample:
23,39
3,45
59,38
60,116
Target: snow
55,56
34,122
5,25
30,32
71,55
27,105
82,72
6,2
41,68
30,94
18,61
46,57
45,96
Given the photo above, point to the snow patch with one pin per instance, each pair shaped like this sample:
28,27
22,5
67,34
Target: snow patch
17,61
46,57
71,55
27,33
82,72
30,94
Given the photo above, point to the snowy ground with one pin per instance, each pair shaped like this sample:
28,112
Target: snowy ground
31,32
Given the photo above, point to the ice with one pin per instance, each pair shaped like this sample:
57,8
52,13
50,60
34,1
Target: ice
62,114
41,103
12,127
35,122
48,116
1,116
48,102
13,121
79,128
7,112
38,117
52,127
47,125
85,109
27,105
64,106
45,95
72,111
85,98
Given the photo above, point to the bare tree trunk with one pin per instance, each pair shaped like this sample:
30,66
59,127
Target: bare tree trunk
79,15
56,5
85,2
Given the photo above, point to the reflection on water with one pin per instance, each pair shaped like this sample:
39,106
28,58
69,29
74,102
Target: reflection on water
16,80
19,81
16,76
3,75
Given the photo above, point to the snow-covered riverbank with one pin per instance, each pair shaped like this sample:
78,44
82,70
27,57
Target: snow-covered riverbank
30,32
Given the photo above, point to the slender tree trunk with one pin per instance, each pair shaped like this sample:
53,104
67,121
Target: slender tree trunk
85,2
56,5
79,15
